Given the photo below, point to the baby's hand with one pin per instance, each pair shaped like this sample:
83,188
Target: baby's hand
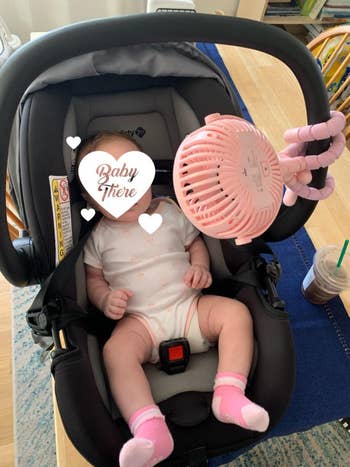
115,303
198,277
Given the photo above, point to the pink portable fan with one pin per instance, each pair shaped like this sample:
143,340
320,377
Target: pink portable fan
227,179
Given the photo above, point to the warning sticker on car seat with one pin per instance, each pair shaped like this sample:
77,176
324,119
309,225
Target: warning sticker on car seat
62,220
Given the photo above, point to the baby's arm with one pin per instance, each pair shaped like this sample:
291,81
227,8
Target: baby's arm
199,255
112,302
198,275
97,286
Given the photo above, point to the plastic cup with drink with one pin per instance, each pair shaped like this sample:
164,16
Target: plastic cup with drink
329,275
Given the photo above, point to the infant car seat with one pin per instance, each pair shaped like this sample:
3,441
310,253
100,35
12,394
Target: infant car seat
129,74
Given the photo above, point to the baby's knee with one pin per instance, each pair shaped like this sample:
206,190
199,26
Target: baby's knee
126,347
113,350
238,314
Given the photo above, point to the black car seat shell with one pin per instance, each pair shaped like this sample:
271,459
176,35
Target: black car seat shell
86,90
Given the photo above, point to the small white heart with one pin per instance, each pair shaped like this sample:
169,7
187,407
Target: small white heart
88,214
73,141
150,223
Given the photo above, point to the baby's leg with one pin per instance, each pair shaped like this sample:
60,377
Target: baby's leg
129,346
124,353
229,322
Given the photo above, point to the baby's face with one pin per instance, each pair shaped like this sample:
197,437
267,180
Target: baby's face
117,147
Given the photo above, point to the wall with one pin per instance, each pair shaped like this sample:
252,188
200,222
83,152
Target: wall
24,16
229,7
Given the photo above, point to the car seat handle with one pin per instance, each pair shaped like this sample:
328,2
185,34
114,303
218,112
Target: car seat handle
35,57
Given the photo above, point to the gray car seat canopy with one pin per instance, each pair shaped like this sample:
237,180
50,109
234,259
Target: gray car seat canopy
167,59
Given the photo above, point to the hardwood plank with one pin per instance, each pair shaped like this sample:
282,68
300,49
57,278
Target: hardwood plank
67,455
6,398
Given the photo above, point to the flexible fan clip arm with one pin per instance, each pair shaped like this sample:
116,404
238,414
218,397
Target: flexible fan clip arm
296,168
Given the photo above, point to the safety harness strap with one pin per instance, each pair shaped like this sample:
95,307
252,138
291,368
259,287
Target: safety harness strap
52,303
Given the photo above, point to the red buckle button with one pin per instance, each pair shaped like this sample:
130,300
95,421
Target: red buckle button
176,353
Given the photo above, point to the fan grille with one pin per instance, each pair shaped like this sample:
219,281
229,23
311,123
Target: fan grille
227,179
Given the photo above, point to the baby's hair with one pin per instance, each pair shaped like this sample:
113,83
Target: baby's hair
92,142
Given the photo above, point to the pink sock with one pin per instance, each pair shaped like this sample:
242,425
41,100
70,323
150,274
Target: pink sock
230,405
152,440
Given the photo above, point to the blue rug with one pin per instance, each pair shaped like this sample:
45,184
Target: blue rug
321,332
322,342
33,408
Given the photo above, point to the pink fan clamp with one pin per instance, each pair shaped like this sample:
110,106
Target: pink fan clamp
227,179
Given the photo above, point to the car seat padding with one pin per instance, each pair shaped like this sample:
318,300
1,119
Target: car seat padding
46,118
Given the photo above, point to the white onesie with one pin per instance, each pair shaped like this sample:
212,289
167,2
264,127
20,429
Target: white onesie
153,268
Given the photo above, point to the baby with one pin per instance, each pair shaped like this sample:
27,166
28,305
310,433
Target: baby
151,285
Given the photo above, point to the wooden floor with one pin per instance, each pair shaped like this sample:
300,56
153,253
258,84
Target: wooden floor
275,102
6,401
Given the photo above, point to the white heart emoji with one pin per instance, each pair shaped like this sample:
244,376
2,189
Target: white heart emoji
88,214
73,141
116,184
150,223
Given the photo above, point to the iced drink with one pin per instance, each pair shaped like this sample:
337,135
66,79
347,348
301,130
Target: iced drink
324,279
